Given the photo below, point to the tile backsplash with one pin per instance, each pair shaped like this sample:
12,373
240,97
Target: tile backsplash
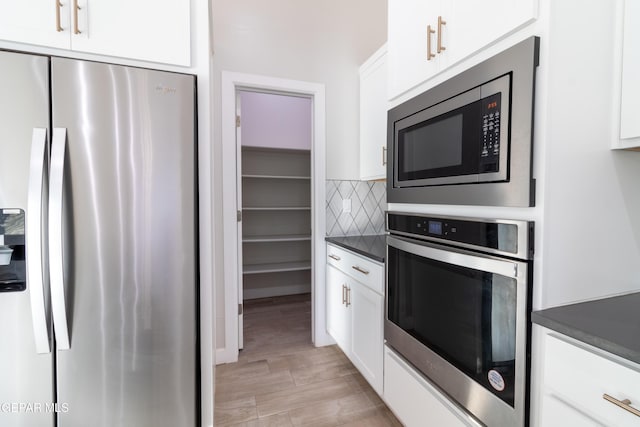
368,203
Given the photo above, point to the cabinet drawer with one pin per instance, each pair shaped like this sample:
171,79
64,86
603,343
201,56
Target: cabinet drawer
413,400
581,378
365,271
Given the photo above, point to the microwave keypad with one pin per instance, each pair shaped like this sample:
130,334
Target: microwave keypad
490,149
491,134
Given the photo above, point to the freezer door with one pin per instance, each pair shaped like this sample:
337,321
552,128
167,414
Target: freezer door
129,227
26,377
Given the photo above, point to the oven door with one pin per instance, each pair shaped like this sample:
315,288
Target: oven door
460,317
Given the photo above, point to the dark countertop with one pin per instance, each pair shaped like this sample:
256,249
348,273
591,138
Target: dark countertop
374,247
611,324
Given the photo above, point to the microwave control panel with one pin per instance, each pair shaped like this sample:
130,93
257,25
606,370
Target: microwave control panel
490,135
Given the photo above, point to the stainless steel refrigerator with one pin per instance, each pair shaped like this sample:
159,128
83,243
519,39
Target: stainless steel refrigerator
98,245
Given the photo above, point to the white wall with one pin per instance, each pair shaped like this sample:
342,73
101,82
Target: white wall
592,201
321,42
276,121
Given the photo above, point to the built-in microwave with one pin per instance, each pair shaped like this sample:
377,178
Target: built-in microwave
468,141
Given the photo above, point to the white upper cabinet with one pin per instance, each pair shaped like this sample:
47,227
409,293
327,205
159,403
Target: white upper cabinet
408,22
426,37
475,24
630,87
373,116
34,22
156,31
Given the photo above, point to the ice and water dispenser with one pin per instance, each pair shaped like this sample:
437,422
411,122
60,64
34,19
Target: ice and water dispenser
12,250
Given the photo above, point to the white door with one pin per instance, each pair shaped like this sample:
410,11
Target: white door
338,314
239,231
408,46
34,22
157,31
472,25
367,319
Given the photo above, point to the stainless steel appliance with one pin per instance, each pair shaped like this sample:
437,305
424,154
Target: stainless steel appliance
101,328
468,141
458,306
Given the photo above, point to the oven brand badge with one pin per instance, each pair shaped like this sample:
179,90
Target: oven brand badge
496,380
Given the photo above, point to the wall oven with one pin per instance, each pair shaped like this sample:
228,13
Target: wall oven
468,140
458,306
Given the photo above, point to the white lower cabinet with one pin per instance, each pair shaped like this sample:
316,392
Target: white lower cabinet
414,401
557,410
576,378
367,333
338,314
355,310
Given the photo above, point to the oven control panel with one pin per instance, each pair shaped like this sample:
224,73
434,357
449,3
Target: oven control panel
484,234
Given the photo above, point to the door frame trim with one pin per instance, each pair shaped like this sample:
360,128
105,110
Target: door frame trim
230,83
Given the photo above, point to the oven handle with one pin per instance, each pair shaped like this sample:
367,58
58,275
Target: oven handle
462,258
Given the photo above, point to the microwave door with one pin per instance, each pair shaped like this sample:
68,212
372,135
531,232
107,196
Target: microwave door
438,145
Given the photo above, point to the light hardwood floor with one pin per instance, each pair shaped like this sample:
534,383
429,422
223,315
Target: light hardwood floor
281,379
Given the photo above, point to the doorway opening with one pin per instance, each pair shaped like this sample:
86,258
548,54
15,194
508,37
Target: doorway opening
273,199
274,135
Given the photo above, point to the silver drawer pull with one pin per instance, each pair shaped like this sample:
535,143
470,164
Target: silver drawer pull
624,404
361,270
336,257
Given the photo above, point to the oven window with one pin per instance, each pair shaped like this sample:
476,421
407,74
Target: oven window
466,316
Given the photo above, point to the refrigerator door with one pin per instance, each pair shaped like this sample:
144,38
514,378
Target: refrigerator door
129,221
26,377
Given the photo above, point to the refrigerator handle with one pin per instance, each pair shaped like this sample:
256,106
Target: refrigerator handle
36,227
56,269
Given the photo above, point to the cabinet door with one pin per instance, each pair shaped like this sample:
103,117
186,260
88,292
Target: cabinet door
157,31
373,117
338,314
630,102
407,43
34,22
472,25
366,333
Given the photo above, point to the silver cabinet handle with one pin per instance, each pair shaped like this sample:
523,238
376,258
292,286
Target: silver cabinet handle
441,22
348,297
429,32
36,225
336,257
344,294
360,269
58,6
76,8
624,404
58,305
384,156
